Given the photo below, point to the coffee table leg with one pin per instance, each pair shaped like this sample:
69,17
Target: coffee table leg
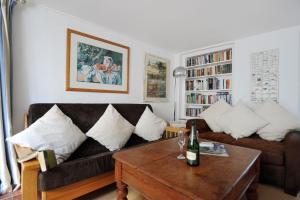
251,193
122,190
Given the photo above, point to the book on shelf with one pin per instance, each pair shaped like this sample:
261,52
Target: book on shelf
215,57
212,83
209,71
198,98
195,112
189,85
213,148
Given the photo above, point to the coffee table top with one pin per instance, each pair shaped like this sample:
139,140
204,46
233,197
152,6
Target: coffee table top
214,178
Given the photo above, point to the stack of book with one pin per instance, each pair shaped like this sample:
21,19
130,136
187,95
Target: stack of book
198,98
208,84
209,71
223,69
195,112
189,85
218,83
209,58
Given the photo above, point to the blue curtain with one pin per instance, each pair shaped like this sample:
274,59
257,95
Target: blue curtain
9,173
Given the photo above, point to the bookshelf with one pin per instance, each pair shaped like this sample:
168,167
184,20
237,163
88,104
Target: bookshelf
209,79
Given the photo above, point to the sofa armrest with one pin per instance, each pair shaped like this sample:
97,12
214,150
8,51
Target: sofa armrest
292,162
200,124
30,171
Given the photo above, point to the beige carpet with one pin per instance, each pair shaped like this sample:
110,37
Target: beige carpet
265,192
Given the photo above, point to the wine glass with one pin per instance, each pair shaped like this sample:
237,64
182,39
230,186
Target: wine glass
181,142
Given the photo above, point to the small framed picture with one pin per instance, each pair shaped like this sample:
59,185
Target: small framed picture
156,83
95,64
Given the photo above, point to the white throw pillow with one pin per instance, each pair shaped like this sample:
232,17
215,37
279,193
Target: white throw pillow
240,121
54,131
111,130
213,112
150,127
280,121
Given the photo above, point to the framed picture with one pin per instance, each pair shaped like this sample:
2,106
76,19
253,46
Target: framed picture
95,64
156,83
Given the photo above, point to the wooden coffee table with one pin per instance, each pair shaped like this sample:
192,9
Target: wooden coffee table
154,171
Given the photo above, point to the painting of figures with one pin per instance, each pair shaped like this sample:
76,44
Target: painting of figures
95,64
98,65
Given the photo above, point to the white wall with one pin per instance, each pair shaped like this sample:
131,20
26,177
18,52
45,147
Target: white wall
288,43
39,50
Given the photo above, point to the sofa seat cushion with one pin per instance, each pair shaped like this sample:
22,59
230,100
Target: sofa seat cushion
90,159
272,151
135,140
88,148
218,137
75,170
272,174
91,147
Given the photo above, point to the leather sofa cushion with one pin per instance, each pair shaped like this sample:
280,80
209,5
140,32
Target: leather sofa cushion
135,140
272,174
272,152
75,170
90,159
91,147
88,148
86,115
218,137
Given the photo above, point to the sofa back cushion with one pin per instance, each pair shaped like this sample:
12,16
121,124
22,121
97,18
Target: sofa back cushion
86,115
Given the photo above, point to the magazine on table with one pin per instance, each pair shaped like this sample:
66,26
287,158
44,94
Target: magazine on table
213,148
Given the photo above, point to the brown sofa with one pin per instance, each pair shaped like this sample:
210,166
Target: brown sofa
90,167
280,161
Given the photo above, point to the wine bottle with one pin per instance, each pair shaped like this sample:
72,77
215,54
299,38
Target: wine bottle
192,153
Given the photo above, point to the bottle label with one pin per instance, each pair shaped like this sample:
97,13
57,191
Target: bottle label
191,155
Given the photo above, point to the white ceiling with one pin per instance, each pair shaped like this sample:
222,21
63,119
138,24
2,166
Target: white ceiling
178,25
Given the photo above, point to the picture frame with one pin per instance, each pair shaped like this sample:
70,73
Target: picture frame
156,79
94,64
